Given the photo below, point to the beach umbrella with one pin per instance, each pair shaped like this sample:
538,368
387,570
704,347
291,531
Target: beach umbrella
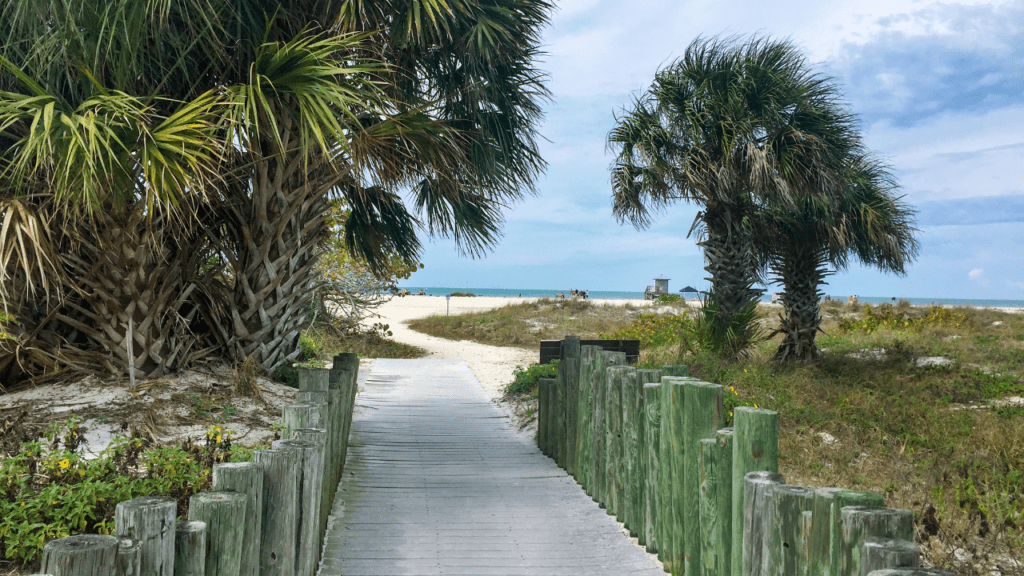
688,289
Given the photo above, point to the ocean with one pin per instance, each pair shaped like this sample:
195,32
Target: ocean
623,295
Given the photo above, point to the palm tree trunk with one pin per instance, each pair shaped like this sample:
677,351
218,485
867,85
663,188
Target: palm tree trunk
801,269
729,260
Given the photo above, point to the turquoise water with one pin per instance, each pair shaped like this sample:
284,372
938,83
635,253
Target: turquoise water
623,295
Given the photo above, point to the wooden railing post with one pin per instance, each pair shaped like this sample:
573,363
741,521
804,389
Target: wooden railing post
715,504
224,515
757,502
614,382
280,492
190,548
785,524
80,555
150,520
668,447
245,478
317,436
703,414
881,553
637,441
755,448
652,435
569,373
599,427
307,533
858,523
543,406
129,556
589,360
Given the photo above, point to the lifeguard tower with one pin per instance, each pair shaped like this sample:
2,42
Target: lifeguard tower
660,287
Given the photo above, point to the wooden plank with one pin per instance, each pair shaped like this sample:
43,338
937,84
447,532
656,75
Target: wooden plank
755,448
703,413
221,512
858,523
757,501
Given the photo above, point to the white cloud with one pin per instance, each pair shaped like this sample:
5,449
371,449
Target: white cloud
976,273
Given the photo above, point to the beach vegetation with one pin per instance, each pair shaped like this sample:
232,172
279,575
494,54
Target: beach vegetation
524,381
167,169
49,489
462,294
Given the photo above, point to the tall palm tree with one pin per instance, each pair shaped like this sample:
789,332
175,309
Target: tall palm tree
867,223
729,127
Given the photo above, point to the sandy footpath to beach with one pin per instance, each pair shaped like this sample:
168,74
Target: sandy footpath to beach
492,365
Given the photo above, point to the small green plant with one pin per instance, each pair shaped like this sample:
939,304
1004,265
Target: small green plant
462,294
308,346
653,330
670,299
287,375
526,378
728,337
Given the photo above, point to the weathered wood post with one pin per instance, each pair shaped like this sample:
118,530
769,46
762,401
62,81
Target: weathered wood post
560,415
703,413
307,533
224,515
129,556
331,450
715,508
542,415
755,448
785,523
880,553
614,382
149,520
857,523
911,572
632,406
823,544
600,419
589,360
805,540
80,555
348,363
190,548
652,435
547,385
668,446
757,500
245,478
639,455
569,372
280,493
304,415
317,436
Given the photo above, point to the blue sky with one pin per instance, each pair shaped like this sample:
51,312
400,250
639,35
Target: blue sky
938,87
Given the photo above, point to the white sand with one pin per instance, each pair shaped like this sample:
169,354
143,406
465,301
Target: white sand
492,365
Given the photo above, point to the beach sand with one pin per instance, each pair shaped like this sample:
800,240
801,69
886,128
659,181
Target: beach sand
492,365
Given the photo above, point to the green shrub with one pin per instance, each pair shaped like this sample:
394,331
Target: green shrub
526,379
287,375
308,346
729,338
462,294
670,299
48,490
653,330
900,318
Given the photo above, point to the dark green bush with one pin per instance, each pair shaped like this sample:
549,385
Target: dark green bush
526,379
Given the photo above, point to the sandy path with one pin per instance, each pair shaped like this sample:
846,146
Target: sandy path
492,365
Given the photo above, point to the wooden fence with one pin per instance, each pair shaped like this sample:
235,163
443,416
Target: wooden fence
650,447
267,517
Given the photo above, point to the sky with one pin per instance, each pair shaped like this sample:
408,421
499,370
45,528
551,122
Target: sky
938,88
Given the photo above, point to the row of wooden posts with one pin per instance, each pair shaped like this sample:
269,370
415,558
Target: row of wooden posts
267,517
650,447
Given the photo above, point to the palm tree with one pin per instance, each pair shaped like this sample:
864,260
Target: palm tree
868,223
729,127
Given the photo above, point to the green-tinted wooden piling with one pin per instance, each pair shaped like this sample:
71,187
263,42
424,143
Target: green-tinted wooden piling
569,371
666,472
882,553
755,448
632,413
589,358
639,477
911,572
805,538
560,414
703,414
600,421
858,523
785,524
715,504
758,489
677,462
840,500
614,383
542,415
224,515
652,434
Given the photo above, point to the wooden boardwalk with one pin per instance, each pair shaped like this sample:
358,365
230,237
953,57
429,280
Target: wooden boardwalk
437,483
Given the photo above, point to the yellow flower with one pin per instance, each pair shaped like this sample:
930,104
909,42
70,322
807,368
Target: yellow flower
744,370
730,414
65,463
755,405
218,438
81,472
